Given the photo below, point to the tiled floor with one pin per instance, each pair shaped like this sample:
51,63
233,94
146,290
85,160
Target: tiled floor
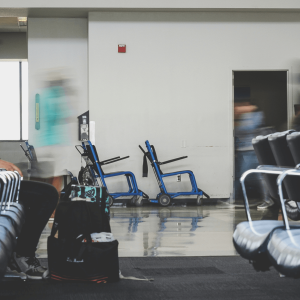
173,231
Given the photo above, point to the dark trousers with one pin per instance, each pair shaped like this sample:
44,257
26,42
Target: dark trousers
39,200
255,186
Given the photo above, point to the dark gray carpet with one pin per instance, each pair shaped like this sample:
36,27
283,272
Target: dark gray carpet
174,278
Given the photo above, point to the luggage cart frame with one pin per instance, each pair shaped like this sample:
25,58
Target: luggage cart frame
90,154
164,198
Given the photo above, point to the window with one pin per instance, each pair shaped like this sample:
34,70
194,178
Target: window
13,100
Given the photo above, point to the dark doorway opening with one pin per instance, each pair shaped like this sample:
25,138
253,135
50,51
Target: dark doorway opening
260,107
268,91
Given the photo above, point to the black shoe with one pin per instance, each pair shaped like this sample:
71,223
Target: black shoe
265,205
30,266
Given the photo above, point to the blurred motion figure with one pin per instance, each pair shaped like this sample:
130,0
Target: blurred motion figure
52,141
248,124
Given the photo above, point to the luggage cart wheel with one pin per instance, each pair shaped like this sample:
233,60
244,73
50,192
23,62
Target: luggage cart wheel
200,200
139,201
164,200
110,200
132,201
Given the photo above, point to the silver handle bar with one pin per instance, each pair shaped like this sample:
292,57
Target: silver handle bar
280,179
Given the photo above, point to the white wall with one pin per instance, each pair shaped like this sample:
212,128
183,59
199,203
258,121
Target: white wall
174,84
59,44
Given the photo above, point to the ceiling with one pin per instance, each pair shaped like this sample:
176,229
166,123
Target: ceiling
9,16
11,24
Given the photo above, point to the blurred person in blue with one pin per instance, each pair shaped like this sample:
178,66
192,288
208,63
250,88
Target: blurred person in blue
53,139
248,124
296,119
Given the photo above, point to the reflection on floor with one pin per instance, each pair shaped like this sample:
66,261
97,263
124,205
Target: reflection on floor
173,231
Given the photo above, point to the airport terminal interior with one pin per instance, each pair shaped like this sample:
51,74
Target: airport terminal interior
149,149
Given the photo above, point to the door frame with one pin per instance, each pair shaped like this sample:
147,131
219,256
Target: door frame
290,109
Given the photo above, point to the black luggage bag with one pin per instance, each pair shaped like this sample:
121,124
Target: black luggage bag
73,256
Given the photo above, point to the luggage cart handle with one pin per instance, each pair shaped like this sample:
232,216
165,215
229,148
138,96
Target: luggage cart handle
112,161
142,149
169,161
26,153
78,150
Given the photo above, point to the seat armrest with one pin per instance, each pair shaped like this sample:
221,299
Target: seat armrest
171,160
112,161
104,161
273,168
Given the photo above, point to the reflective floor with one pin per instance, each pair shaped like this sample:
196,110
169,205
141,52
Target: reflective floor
173,231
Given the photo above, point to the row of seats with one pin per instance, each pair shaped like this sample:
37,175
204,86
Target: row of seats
280,150
11,217
272,242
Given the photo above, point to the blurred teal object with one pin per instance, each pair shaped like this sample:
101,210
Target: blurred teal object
55,113
37,112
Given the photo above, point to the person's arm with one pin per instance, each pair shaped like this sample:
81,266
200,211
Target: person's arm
239,110
9,166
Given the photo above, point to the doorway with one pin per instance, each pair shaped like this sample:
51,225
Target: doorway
260,107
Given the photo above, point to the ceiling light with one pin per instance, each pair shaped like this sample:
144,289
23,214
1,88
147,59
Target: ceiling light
22,21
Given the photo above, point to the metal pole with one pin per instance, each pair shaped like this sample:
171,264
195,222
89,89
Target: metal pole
20,84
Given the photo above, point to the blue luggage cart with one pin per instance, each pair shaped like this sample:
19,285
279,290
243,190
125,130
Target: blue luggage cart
165,198
94,166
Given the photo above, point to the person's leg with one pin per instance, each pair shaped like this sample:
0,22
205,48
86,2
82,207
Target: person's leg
257,186
39,200
239,170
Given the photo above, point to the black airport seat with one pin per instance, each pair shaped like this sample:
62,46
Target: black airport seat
293,141
4,257
284,245
13,186
7,245
7,239
9,225
15,210
251,238
16,221
6,210
283,156
280,149
265,156
12,217
267,242
284,251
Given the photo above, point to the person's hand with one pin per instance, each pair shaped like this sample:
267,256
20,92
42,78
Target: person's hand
9,166
243,109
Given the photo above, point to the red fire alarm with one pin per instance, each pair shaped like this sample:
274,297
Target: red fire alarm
121,48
